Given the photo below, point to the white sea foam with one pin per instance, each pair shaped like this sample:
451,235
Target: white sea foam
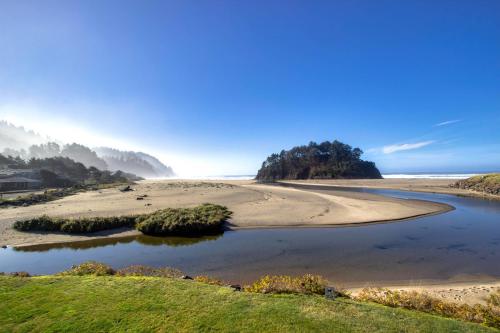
390,175
229,177
431,175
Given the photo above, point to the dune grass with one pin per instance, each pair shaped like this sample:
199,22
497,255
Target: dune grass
485,314
152,304
74,225
489,183
203,219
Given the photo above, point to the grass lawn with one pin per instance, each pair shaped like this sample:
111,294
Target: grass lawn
146,304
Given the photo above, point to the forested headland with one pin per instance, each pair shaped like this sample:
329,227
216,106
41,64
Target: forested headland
326,160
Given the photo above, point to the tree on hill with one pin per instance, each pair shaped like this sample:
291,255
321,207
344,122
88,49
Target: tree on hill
84,155
327,160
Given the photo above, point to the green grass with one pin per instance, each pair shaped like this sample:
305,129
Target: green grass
149,304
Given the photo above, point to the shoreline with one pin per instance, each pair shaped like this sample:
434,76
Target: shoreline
132,232
437,186
254,206
248,198
463,292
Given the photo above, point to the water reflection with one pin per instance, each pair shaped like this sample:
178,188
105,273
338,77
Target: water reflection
100,242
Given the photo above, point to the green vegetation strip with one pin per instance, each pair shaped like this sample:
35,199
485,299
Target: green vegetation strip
489,183
152,304
206,218
53,194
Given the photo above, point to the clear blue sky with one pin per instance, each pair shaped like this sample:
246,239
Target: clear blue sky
214,87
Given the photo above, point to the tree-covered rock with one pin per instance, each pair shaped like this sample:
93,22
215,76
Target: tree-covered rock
327,160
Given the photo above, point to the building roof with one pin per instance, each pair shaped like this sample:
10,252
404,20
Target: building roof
18,180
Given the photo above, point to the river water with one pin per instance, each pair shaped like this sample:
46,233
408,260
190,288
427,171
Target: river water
459,245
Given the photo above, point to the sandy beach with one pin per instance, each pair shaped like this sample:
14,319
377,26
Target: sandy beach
470,293
254,206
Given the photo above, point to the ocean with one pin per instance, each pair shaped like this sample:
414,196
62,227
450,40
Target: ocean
448,175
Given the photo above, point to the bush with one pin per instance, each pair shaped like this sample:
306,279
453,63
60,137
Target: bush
209,280
280,284
488,315
94,224
89,268
140,270
494,298
205,218
42,223
74,226
489,183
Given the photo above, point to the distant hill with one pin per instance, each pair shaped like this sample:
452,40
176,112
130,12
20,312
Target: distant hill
17,141
62,171
138,163
327,160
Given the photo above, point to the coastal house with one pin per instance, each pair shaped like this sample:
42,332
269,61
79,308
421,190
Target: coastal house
15,183
18,180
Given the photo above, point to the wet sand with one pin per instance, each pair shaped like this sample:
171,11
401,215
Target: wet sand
417,185
254,206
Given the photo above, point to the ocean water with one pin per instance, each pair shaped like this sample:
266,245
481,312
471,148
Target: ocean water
388,175
442,175
430,175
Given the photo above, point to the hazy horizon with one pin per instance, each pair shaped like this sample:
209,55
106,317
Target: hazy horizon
214,88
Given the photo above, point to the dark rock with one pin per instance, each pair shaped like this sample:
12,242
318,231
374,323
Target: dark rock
126,188
186,277
236,287
4,246
139,198
20,274
330,293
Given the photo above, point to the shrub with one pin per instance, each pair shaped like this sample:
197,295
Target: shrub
74,226
140,270
42,223
89,268
489,315
205,218
279,284
94,224
489,183
494,298
209,280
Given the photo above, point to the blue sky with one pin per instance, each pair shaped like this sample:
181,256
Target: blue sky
213,87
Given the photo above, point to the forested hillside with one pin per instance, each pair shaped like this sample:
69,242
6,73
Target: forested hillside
325,160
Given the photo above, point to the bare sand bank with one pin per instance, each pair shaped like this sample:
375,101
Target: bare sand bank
457,292
254,206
